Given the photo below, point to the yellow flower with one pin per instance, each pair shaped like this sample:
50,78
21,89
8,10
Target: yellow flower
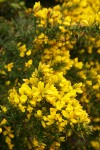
2,72
67,21
62,29
95,144
65,113
50,122
8,140
11,146
0,130
98,51
57,144
19,44
62,139
11,135
22,48
43,123
28,10
40,86
36,7
9,66
21,107
33,102
29,63
39,113
3,121
84,23
25,89
4,109
96,87
22,54
73,120
29,109
8,82
77,64
23,99
89,82
28,53
35,142
16,100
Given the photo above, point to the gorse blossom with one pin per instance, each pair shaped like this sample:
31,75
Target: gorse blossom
50,77
52,98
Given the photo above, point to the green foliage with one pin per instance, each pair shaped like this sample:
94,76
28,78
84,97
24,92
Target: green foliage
12,8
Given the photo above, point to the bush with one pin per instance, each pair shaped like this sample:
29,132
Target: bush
50,77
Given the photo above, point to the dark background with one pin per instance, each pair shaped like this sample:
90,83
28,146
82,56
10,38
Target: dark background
44,3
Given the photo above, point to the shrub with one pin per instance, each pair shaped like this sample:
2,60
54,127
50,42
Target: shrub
50,77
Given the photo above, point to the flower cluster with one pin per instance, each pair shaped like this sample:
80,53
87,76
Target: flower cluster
50,97
50,77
